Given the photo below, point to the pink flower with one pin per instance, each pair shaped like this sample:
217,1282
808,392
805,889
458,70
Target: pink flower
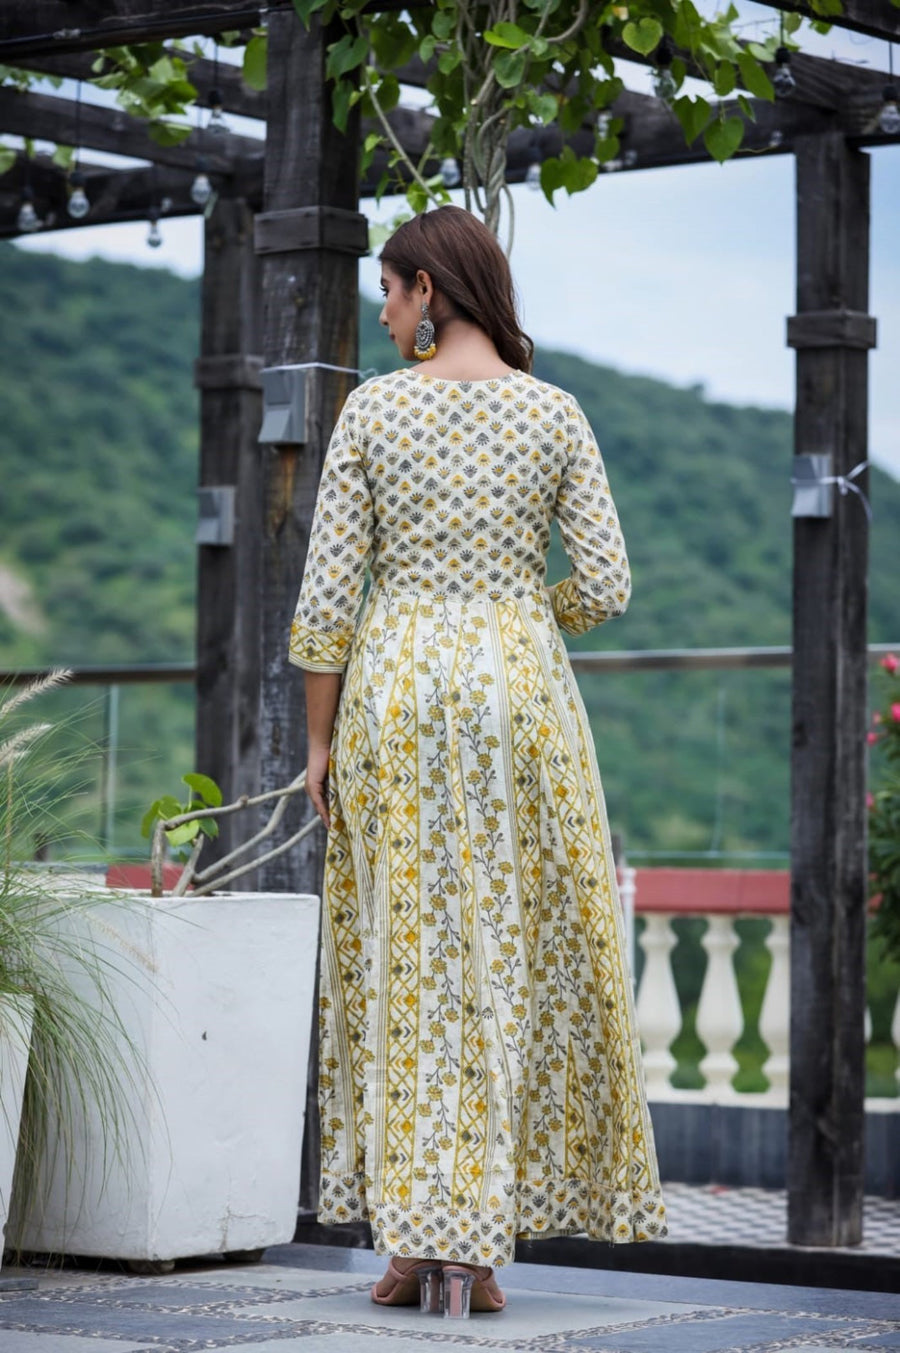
876,717
870,801
890,663
895,711
871,739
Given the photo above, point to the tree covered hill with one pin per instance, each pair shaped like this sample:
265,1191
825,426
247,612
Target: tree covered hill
98,449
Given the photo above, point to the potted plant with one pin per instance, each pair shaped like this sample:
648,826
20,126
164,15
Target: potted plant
884,813
53,992
220,1017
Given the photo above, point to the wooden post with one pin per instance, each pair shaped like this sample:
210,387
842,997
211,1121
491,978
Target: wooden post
309,236
831,333
228,640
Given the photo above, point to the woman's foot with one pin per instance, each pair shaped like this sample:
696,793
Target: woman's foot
402,1282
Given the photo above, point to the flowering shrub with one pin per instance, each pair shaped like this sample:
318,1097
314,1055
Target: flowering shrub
884,813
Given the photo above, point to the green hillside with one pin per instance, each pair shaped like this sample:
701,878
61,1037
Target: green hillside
98,444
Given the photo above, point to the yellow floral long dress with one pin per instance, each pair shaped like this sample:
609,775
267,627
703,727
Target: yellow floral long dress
480,1075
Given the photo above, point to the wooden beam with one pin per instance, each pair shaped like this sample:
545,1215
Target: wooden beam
36,27
829,715
203,74
45,117
876,18
228,576
652,136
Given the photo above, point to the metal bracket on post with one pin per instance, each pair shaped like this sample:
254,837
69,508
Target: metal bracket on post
813,487
215,524
284,406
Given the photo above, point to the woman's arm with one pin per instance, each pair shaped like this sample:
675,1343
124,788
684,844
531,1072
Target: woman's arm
323,692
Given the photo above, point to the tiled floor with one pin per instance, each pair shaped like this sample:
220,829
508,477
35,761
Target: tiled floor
758,1218
314,1299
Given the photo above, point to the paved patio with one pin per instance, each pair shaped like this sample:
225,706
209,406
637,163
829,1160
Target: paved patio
314,1299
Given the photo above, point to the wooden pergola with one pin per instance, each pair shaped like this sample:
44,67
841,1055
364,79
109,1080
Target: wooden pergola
280,288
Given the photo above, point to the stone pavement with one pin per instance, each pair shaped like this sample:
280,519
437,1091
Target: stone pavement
314,1299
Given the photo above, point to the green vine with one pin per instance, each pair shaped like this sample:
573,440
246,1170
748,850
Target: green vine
494,67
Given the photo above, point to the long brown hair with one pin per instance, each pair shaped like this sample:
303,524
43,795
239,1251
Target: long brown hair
468,267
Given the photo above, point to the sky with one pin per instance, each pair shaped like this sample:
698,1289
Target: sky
685,273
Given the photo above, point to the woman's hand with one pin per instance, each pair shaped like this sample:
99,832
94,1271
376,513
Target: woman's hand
317,780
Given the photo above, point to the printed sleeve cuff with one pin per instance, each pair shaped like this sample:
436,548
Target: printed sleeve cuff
569,610
318,650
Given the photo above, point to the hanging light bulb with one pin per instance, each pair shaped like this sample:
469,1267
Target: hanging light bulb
889,117
28,220
78,205
154,234
629,159
533,175
450,175
776,138
216,124
603,124
201,188
664,86
783,80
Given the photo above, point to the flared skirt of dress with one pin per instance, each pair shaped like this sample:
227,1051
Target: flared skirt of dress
480,1074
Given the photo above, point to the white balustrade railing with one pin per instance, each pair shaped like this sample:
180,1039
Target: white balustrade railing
659,896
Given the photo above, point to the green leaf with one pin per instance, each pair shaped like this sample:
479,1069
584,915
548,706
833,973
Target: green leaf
723,136
163,71
693,114
426,48
254,71
543,106
209,827
151,817
507,35
725,79
306,9
443,25
509,68
389,92
449,60
643,36
747,107
340,103
205,788
186,832
551,177
63,156
793,21
168,133
346,55
754,78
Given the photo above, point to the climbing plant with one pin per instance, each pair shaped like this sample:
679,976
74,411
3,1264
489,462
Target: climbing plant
503,64
493,66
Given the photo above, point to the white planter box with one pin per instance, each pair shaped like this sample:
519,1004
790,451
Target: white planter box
15,1039
216,995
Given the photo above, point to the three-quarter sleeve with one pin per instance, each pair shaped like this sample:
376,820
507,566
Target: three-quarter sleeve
339,546
599,584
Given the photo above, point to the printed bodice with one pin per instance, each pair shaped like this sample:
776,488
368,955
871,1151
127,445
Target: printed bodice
450,487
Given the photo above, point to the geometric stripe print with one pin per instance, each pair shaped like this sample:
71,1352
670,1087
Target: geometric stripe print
481,1076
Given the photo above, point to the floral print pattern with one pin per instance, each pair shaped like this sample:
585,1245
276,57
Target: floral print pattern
480,1074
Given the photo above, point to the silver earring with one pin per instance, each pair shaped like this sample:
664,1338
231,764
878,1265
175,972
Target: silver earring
424,346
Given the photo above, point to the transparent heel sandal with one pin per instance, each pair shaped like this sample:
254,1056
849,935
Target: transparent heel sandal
431,1290
457,1292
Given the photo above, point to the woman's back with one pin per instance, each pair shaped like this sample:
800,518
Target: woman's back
450,487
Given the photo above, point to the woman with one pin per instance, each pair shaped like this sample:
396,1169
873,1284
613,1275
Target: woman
480,1070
